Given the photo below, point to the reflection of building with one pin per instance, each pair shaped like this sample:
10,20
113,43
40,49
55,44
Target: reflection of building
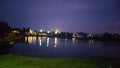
41,40
30,40
91,41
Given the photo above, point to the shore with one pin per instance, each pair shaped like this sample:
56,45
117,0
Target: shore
12,61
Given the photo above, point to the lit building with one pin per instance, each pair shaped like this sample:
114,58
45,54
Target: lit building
74,35
15,31
57,31
31,32
90,36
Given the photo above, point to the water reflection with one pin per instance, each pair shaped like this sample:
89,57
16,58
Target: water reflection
40,41
91,41
30,40
66,41
57,47
74,40
48,39
56,42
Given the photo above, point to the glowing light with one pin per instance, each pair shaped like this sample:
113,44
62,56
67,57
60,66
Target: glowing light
48,31
26,39
91,41
89,35
30,40
56,42
33,40
11,42
41,30
48,42
31,31
15,31
74,35
57,31
40,41
73,40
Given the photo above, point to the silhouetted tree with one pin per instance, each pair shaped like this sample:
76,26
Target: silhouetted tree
4,29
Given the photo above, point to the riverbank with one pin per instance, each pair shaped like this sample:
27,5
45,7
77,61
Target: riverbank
11,61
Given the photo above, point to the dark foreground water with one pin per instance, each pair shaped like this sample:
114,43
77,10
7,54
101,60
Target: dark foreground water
56,47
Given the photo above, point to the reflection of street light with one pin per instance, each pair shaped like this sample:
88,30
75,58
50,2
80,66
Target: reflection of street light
73,40
40,41
48,42
56,42
91,41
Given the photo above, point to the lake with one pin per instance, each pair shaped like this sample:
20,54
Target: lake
57,47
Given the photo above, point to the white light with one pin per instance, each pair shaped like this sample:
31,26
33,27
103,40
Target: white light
41,30
40,41
48,31
48,42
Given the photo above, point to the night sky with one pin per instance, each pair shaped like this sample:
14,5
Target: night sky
96,16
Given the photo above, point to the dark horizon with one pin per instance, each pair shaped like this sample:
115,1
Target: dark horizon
90,16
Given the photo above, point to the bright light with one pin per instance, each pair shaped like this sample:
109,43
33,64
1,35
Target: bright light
73,40
89,35
57,31
48,39
40,41
15,31
31,31
41,30
11,42
56,42
48,31
31,40
74,35
91,41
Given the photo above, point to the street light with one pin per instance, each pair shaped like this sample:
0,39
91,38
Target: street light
41,30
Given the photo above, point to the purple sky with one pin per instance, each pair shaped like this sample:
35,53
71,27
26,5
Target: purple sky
94,16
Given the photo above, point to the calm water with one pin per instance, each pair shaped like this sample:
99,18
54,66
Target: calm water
56,47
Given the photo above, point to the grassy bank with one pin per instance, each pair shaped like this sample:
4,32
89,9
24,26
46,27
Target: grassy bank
10,61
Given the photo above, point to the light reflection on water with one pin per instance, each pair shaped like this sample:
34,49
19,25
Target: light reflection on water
40,40
32,40
91,41
58,47
73,40
48,40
